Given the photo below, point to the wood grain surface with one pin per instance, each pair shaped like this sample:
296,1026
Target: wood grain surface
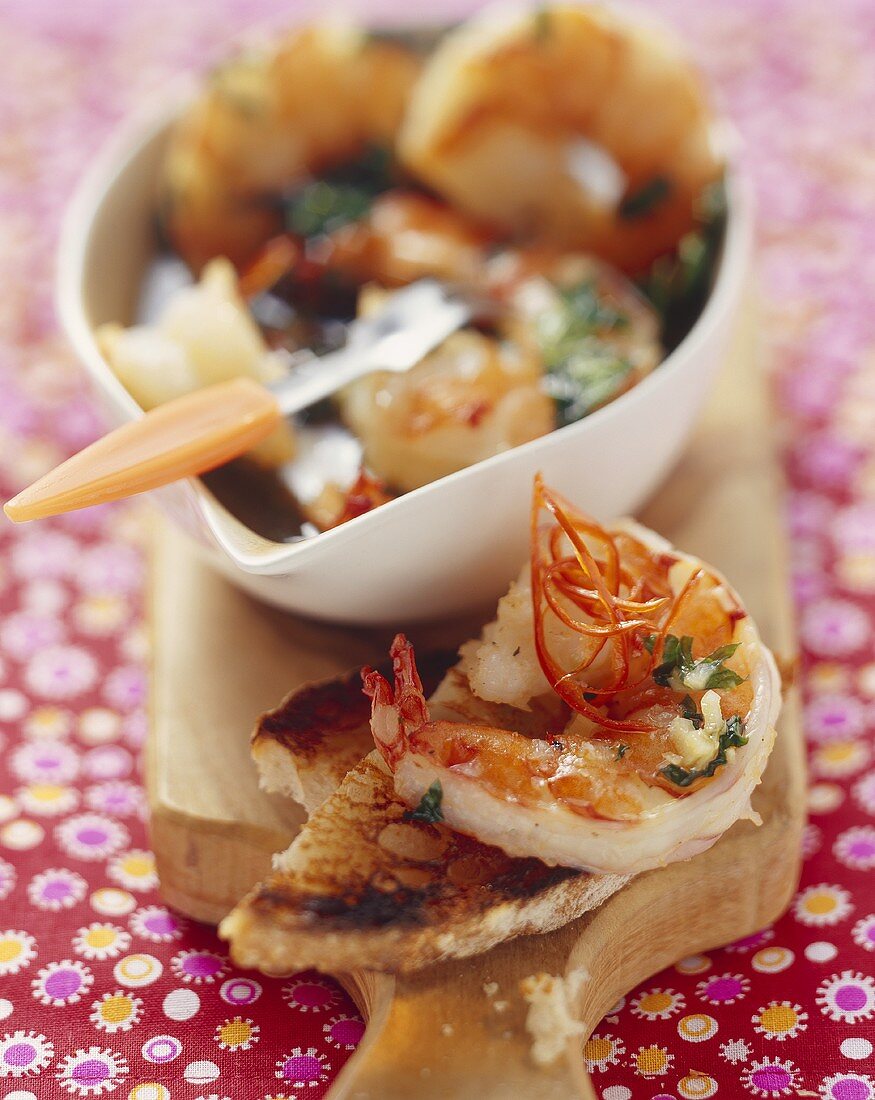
457,1031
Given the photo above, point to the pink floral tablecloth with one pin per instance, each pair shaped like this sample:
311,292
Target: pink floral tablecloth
102,989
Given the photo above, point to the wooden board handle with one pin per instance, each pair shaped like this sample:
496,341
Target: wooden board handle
179,439
459,1030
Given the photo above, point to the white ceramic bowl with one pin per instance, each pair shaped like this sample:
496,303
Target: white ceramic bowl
442,549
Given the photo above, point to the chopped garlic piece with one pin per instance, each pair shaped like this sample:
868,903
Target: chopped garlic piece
697,678
712,712
695,747
698,746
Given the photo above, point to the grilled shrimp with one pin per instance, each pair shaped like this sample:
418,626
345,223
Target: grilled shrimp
570,334
568,123
620,710
593,333
406,236
270,120
470,398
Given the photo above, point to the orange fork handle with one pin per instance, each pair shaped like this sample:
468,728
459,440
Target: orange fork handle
183,437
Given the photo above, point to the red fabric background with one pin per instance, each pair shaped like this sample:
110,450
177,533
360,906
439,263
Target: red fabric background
161,1014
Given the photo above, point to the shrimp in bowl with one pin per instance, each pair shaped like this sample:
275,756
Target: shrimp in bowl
568,335
569,123
327,168
270,120
637,706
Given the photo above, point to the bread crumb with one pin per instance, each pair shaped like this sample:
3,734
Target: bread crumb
447,1030
550,1021
490,988
501,1006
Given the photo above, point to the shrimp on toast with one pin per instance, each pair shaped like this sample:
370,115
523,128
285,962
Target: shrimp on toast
368,884
565,122
669,703
389,872
365,884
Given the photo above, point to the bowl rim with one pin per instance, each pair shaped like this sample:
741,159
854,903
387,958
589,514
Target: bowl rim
265,557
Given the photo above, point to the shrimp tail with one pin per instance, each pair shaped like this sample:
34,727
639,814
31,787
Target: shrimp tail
396,713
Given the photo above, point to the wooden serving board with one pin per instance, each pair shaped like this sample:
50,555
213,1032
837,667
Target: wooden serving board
221,659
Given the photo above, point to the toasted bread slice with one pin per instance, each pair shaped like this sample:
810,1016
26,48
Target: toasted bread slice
305,746
364,886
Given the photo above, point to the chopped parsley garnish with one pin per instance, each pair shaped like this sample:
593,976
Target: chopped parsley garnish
583,370
321,207
429,808
678,284
343,195
586,381
689,711
579,312
640,203
731,737
679,669
621,751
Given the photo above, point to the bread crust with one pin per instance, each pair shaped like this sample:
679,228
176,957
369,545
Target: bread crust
363,886
304,747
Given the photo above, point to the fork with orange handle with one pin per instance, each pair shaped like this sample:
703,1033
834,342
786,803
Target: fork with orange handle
203,429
